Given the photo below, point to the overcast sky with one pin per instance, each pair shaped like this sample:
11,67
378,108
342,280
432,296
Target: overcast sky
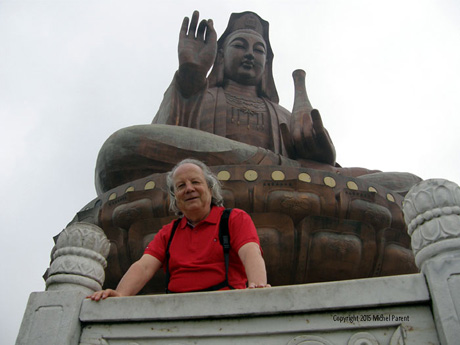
385,76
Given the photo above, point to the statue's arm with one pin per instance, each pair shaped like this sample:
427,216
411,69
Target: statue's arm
178,110
197,51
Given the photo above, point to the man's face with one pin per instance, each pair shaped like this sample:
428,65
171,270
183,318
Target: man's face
193,196
245,55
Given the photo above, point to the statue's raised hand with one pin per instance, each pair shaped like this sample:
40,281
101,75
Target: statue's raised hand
197,52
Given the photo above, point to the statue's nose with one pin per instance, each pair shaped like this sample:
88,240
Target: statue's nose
249,55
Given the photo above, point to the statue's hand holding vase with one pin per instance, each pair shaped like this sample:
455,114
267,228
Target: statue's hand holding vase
306,137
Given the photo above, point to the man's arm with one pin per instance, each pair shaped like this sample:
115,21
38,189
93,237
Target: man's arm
134,279
254,264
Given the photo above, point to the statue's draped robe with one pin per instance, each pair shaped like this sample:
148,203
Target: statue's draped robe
207,109
184,128
195,127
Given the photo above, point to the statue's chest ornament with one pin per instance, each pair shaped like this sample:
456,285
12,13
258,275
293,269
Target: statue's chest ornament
250,112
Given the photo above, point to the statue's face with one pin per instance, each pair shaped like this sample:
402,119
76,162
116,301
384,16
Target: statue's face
245,54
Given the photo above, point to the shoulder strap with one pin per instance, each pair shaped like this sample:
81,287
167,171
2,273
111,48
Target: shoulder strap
173,231
224,238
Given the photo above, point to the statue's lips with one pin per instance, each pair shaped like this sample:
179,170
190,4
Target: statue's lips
247,64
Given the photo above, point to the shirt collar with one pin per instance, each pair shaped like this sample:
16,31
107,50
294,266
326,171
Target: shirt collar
212,218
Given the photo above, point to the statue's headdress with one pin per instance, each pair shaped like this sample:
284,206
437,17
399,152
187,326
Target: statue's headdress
246,21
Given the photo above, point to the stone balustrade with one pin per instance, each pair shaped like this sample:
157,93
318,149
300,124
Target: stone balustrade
420,308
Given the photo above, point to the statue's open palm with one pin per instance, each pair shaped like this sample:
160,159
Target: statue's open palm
197,43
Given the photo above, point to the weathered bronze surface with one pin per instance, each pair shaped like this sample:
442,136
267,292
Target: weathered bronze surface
317,221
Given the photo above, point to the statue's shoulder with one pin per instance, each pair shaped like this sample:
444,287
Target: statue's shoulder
282,113
214,91
212,94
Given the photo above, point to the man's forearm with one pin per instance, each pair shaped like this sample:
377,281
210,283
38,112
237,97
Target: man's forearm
254,265
138,275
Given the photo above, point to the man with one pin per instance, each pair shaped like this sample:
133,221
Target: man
196,261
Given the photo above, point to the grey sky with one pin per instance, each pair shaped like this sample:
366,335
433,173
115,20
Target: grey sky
384,75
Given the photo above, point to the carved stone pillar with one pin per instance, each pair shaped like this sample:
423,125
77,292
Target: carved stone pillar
77,269
79,259
432,213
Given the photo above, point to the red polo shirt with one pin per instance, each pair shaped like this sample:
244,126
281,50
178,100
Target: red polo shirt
196,255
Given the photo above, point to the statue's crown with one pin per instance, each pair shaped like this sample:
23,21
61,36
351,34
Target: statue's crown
248,21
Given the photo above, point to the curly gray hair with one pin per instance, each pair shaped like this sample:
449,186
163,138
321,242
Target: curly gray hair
211,179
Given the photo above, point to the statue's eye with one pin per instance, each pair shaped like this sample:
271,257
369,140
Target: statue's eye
259,48
238,46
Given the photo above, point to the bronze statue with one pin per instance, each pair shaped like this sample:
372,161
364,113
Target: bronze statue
317,221
238,101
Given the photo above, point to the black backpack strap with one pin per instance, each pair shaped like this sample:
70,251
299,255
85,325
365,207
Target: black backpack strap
173,231
224,238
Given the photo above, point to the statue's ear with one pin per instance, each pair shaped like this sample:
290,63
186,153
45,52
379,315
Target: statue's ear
263,86
220,53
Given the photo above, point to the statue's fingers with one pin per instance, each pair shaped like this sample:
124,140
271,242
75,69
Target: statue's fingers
309,136
201,29
296,133
303,149
307,128
287,139
184,28
317,122
300,124
309,143
323,142
321,135
307,121
211,35
302,141
304,124
193,23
